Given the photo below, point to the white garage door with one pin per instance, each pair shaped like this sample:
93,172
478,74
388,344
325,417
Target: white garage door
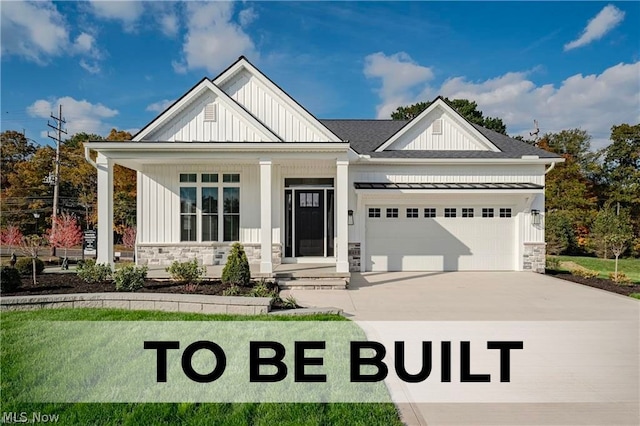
438,243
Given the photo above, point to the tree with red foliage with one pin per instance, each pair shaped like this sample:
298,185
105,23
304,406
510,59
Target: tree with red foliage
67,233
129,237
10,237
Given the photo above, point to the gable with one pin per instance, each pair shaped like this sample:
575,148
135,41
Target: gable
271,105
438,128
206,114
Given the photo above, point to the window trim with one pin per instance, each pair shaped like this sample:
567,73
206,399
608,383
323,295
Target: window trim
198,184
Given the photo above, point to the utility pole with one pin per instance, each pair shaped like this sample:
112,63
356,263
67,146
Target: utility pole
59,121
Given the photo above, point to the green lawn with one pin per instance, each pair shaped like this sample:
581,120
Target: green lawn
631,267
177,413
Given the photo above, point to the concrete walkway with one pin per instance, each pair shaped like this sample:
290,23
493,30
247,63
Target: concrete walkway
506,297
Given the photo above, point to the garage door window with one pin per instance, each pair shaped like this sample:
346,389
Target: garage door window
505,212
412,213
467,212
392,213
429,212
374,212
449,212
487,212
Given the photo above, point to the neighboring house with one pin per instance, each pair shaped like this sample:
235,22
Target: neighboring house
237,159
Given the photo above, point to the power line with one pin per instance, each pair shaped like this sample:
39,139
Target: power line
59,120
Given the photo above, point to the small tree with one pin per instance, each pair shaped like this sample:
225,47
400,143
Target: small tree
30,246
236,271
10,237
558,233
67,232
129,239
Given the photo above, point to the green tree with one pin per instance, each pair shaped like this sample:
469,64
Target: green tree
611,231
468,109
559,232
15,148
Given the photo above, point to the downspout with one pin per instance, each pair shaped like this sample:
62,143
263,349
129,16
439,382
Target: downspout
87,156
550,168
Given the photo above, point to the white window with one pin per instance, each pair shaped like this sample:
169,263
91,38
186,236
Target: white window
412,212
392,212
505,212
487,212
450,212
201,205
429,212
467,212
374,212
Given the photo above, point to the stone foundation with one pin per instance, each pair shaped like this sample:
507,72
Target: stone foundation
354,257
204,253
534,258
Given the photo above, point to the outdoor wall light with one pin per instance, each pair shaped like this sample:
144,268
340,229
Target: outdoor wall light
535,217
350,221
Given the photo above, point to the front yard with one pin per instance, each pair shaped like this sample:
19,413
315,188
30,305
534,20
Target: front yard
631,267
13,354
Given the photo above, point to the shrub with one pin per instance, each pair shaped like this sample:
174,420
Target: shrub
236,270
92,272
262,290
187,272
585,273
619,278
130,277
559,233
552,263
24,265
234,290
9,279
289,302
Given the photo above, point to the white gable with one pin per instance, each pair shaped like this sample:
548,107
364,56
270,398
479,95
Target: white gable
206,114
272,106
438,128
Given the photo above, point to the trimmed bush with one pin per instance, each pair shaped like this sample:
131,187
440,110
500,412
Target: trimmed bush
24,265
236,270
92,272
585,273
187,272
130,277
619,278
9,279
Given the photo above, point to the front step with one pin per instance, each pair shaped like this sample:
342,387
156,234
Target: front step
312,284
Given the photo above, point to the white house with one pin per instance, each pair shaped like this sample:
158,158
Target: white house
237,159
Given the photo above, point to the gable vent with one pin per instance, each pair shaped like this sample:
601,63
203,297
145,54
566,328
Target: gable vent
210,112
436,127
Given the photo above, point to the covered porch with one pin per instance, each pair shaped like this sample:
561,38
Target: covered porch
262,170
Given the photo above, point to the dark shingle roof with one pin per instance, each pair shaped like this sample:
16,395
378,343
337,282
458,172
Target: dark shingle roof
450,185
366,135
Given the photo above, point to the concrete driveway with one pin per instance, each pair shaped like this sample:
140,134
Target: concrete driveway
510,297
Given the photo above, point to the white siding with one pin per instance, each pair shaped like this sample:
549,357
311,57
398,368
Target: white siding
453,137
273,111
189,125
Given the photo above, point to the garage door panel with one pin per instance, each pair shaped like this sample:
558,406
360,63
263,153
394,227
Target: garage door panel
439,244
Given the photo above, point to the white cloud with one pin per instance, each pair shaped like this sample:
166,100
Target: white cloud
169,24
160,105
399,74
590,102
38,32
81,116
127,12
608,18
90,67
247,16
213,40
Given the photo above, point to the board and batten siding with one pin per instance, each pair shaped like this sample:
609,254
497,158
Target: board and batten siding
190,126
160,201
273,111
452,138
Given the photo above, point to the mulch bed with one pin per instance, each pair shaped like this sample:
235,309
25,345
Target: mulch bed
608,285
71,283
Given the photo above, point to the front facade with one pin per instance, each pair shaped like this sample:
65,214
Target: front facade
237,159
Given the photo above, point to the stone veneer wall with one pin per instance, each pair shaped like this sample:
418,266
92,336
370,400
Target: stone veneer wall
534,257
354,257
205,253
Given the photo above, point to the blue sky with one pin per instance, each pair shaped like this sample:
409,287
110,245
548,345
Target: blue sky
118,64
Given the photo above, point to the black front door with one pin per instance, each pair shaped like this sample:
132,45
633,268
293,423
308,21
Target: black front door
309,214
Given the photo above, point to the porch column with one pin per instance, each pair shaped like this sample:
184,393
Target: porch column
266,265
342,205
105,210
